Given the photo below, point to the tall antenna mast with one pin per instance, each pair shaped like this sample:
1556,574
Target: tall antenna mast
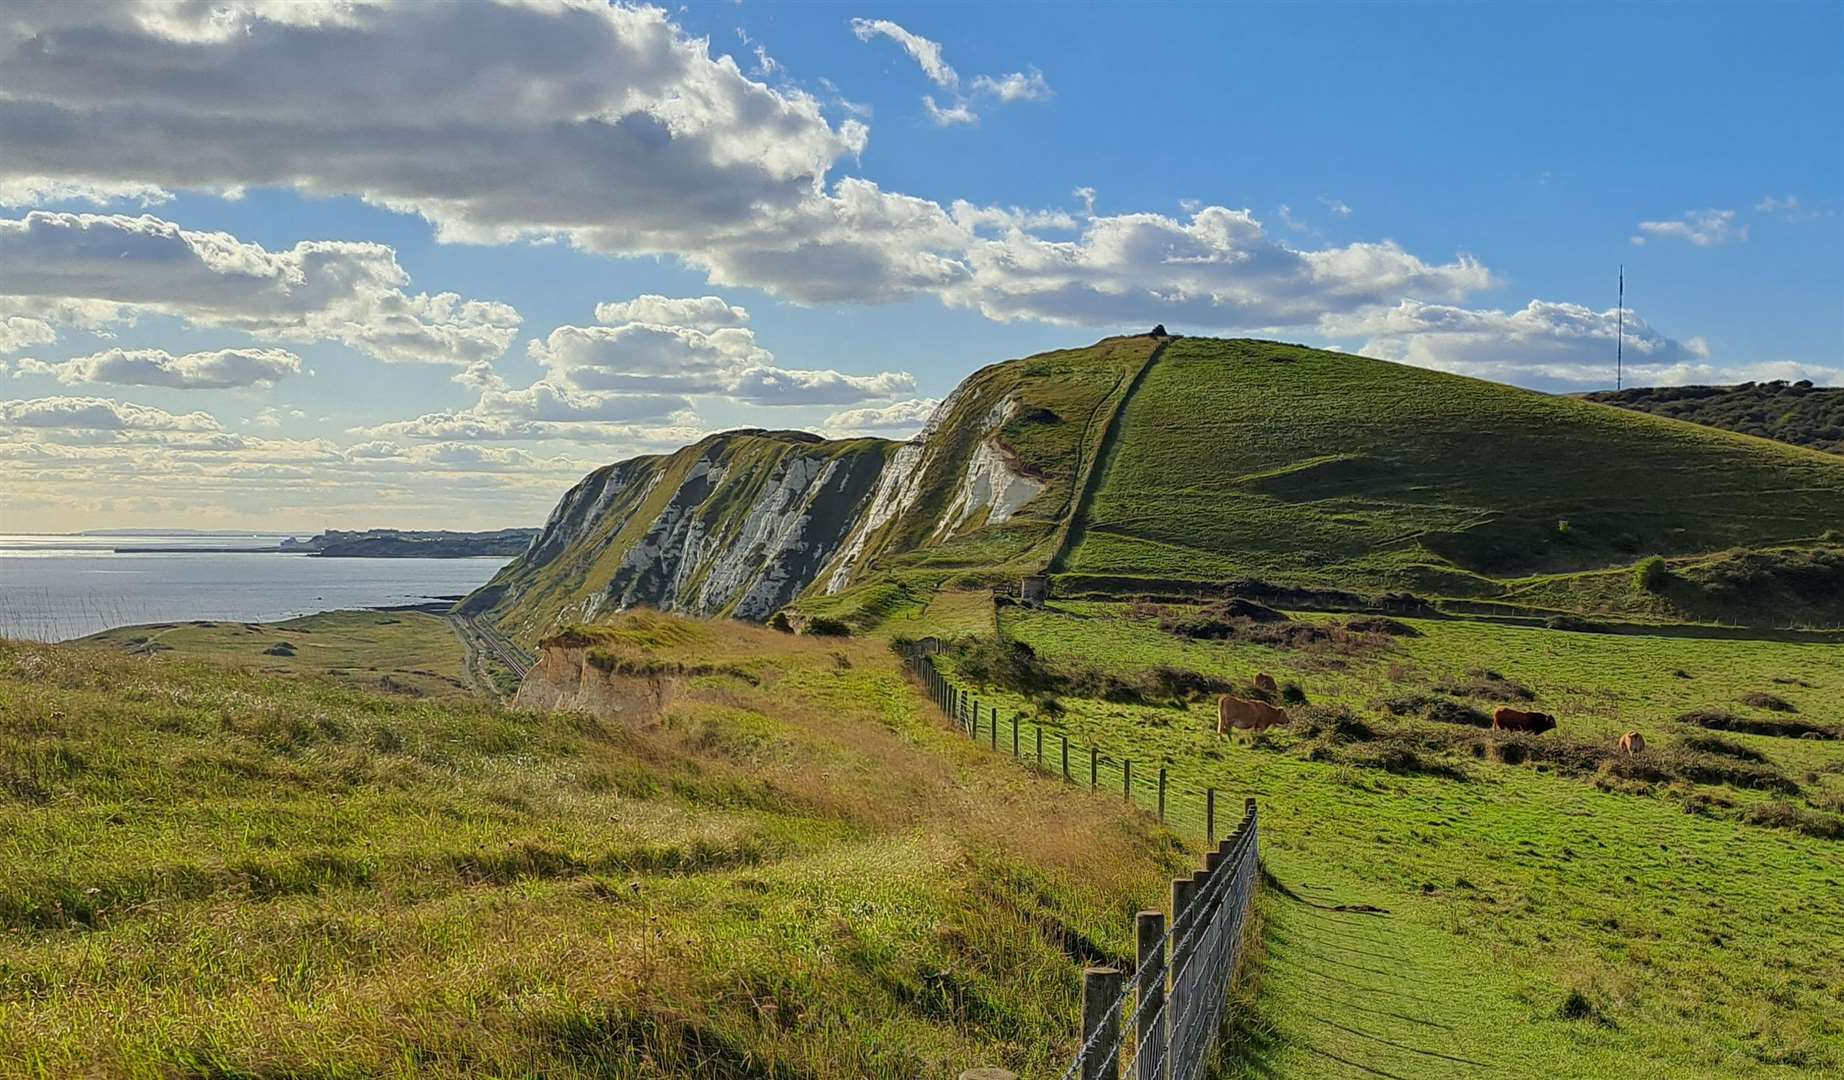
1620,333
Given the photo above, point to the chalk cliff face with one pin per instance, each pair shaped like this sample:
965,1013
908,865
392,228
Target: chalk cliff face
743,523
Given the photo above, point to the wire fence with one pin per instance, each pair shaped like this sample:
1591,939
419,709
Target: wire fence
1161,1021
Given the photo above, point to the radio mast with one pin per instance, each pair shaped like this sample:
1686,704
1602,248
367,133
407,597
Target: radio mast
1620,332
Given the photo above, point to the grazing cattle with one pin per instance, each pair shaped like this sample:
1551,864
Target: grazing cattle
1505,718
1265,682
1632,743
1241,714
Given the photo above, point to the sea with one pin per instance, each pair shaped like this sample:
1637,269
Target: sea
57,587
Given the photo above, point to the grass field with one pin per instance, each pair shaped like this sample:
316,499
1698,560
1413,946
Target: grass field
1542,920
1239,459
211,870
398,652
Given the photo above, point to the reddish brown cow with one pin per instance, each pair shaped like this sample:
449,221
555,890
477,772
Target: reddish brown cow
1632,743
1241,714
1505,718
1265,682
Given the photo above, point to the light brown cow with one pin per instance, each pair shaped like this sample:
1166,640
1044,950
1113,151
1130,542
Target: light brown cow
1632,743
1241,714
1505,718
1265,682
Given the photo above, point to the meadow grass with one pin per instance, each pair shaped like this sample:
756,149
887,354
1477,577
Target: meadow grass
210,870
1544,918
412,653
1256,459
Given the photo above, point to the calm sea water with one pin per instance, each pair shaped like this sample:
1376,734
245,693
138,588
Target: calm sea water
57,587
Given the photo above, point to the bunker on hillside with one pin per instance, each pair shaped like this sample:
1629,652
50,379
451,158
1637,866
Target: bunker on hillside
1033,590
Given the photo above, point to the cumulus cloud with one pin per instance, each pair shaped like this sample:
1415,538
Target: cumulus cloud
897,418
316,291
926,53
649,357
1220,268
703,312
98,414
1543,343
1018,86
36,190
1704,228
955,113
21,332
601,125
216,370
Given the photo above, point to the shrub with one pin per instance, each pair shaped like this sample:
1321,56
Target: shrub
1488,684
1784,815
1770,702
824,626
1293,693
1650,573
1712,744
779,621
1722,720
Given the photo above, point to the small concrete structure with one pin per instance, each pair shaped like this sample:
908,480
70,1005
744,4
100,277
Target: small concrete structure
1033,590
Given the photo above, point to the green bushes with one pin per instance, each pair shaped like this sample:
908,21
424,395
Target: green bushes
1650,573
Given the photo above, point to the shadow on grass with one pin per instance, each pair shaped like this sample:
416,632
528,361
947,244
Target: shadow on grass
1364,1018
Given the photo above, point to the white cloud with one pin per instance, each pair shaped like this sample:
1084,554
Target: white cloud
271,418
20,332
317,290
1791,208
1544,342
1704,228
214,370
1336,206
955,113
600,125
898,418
703,312
1218,269
649,357
926,53
98,414
1018,86
36,190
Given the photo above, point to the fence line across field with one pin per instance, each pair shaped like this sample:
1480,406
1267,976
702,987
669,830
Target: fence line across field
1160,1021
1151,786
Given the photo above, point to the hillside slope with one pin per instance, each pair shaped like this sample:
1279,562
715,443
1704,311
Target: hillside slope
1797,413
1153,464
1326,469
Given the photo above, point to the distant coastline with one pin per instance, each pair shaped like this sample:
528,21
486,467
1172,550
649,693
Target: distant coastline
368,544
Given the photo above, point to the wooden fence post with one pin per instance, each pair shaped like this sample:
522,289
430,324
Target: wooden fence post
1014,733
1210,815
1161,793
1065,737
1039,730
1100,1023
1094,766
1149,1019
995,727
1126,780
1182,892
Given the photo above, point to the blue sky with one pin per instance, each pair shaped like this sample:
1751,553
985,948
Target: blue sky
1445,184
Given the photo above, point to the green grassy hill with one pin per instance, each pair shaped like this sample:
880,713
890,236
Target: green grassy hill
1253,459
1161,465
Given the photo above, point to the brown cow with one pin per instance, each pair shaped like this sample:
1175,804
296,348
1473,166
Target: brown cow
1632,743
1265,682
1241,714
1505,718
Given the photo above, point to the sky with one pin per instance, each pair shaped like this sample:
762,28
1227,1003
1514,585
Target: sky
291,266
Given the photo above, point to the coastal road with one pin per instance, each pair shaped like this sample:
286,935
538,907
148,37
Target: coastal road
488,642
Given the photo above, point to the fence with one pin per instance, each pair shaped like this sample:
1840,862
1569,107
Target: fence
1159,1022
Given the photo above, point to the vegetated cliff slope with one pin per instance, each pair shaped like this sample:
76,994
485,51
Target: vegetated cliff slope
742,522
1154,464
1797,413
